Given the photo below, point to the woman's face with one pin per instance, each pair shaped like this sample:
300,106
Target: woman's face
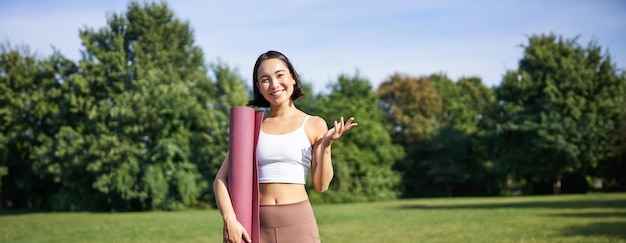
275,82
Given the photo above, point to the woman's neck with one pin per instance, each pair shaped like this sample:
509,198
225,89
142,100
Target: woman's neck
285,110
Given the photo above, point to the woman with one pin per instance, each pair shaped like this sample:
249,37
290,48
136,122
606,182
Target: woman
290,144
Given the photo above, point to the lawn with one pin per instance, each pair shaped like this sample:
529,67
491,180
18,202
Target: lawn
596,217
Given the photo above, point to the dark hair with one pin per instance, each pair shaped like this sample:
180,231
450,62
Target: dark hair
258,100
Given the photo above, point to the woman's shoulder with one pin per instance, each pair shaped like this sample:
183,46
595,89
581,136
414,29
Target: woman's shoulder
315,120
316,123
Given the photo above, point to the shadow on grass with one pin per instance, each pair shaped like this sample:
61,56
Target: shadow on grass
615,230
572,204
591,215
12,212
605,229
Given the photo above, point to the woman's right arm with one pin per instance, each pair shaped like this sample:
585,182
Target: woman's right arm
233,230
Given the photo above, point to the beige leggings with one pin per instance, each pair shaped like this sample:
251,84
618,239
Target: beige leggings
293,222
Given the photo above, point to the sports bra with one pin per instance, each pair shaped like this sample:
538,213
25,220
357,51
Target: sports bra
284,158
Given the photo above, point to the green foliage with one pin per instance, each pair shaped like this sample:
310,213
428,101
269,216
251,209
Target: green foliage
17,70
611,169
3,172
308,102
457,112
134,109
228,90
446,152
412,108
141,123
410,105
449,158
32,90
455,157
363,158
559,108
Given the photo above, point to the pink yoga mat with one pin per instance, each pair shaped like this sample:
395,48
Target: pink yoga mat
243,181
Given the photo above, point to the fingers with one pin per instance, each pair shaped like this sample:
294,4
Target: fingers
349,124
342,126
246,237
236,234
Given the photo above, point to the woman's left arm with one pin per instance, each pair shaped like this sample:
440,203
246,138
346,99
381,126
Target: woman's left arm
321,164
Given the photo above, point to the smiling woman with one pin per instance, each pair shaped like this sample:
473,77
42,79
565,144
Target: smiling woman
272,71
290,144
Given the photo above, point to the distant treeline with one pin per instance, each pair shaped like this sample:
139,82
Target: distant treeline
140,122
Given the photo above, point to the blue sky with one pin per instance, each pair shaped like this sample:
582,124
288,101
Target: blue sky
327,38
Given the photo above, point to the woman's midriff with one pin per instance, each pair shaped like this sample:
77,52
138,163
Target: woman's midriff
281,193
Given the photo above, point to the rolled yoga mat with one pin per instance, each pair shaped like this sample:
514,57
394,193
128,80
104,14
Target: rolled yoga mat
243,181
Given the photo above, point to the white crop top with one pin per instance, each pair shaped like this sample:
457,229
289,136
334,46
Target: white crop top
284,158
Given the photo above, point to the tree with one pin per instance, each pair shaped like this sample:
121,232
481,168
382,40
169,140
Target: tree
611,169
457,112
410,105
453,157
140,100
363,158
32,89
558,109
449,158
412,109
18,69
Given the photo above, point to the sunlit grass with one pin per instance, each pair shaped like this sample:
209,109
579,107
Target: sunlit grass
571,218
564,218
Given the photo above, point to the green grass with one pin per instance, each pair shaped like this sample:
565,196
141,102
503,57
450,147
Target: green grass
563,218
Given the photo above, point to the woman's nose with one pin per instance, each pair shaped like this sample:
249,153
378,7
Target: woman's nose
273,82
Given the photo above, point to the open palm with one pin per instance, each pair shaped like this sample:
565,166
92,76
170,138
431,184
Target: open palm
339,128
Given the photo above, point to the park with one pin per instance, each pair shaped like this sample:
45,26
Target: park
124,144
